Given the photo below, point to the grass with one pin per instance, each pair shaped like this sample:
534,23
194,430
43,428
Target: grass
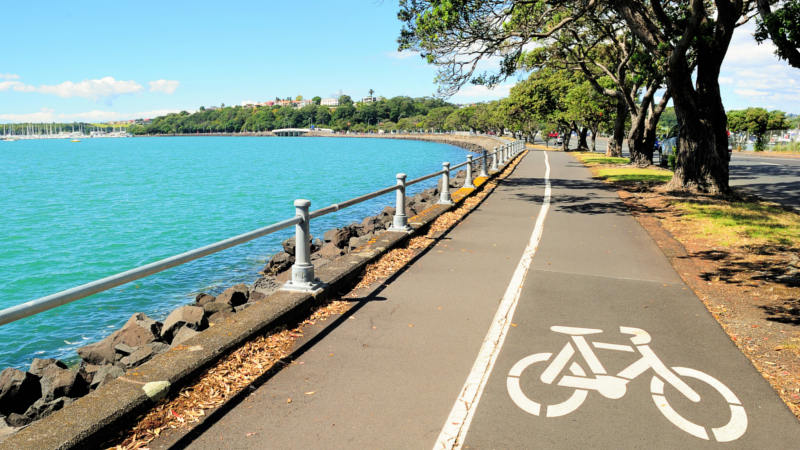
727,223
633,174
791,147
595,159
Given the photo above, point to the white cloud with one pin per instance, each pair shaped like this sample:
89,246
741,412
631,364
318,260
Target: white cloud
9,76
106,87
165,86
479,93
6,85
752,75
49,115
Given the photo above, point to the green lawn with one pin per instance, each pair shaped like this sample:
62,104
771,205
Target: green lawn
633,174
727,222
594,159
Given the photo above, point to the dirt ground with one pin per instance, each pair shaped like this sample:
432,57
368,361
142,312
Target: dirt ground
753,290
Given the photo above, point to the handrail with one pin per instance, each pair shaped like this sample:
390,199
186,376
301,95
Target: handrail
302,272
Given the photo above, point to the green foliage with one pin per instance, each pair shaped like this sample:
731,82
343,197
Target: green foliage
781,25
756,122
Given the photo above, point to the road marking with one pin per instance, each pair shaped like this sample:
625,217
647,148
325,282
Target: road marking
458,422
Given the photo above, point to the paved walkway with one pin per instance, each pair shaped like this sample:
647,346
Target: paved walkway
388,374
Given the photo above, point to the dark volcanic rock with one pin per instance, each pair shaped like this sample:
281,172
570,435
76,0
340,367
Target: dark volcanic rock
183,334
372,224
338,237
57,382
278,263
38,365
124,349
140,356
18,391
235,295
139,330
289,246
215,307
105,374
40,409
354,229
186,316
203,298
331,251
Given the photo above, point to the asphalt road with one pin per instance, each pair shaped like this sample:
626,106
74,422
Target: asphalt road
604,347
773,178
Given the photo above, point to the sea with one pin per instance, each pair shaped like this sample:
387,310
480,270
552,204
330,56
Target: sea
74,212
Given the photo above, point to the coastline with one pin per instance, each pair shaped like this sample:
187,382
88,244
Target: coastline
142,338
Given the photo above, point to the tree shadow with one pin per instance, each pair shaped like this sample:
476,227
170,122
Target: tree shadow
571,196
788,313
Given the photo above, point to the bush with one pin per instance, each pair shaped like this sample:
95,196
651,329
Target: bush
671,161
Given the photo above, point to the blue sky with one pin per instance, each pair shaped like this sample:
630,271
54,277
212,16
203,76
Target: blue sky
99,61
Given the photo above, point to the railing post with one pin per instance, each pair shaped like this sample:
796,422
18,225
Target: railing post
468,180
494,159
302,269
484,173
444,193
400,220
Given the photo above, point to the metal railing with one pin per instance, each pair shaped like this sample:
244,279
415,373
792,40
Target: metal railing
302,271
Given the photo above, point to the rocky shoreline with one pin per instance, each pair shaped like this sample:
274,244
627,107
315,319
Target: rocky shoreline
49,385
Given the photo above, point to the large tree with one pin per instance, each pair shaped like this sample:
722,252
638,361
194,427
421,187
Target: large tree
782,25
686,38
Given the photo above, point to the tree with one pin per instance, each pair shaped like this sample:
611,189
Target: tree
317,100
783,27
756,122
678,36
345,100
371,91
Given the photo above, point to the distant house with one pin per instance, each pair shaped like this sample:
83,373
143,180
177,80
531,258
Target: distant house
329,102
301,103
369,100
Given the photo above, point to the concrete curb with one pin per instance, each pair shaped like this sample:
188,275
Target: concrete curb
97,417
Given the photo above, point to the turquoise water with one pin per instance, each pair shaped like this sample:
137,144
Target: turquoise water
71,213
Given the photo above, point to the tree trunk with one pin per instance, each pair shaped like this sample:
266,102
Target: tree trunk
615,144
594,138
702,155
582,145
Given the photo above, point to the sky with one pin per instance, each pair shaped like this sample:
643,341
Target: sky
105,61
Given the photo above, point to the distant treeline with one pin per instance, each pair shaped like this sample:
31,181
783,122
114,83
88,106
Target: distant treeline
397,113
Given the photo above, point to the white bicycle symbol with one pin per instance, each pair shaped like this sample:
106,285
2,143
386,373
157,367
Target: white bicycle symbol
614,387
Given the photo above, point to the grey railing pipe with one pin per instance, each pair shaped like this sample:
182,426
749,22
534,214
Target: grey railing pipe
337,206
60,298
444,193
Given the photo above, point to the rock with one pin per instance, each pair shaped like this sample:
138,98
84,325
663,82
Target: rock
387,215
330,251
316,244
354,229
338,237
289,246
139,330
182,335
372,224
139,357
43,408
235,295
219,316
105,374
278,263
203,298
263,288
215,307
18,420
38,365
124,349
57,382
158,347
18,391
184,317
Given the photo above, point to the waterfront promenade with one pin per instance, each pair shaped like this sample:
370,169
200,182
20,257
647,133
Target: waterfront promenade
511,335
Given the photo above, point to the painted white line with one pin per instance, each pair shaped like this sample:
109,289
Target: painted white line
458,422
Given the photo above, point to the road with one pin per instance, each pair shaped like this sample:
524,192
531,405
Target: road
549,272
773,178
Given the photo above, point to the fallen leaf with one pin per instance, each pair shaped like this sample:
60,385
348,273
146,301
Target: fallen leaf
310,392
250,434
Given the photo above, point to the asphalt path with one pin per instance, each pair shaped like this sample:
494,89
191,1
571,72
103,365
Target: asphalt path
602,344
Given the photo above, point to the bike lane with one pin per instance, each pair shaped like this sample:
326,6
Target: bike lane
596,268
